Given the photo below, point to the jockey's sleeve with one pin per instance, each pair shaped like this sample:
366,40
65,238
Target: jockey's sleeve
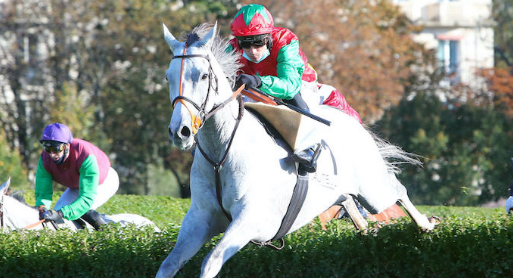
289,69
87,189
43,188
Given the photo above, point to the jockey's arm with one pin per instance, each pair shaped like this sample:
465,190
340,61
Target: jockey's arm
289,69
88,185
43,188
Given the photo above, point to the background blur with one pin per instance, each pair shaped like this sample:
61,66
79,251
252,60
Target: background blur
432,76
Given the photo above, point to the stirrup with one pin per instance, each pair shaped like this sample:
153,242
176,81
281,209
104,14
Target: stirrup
307,159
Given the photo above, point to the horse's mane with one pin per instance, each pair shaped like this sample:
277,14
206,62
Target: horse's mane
18,195
228,60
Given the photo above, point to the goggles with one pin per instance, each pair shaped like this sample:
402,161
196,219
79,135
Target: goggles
54,148
257,41
247,44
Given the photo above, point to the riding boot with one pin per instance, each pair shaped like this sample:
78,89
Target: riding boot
298,102
307,158
79,223
94,218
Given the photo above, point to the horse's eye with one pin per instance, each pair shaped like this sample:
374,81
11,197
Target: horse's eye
205,76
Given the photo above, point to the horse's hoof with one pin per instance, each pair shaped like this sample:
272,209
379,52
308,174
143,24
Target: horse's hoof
435,220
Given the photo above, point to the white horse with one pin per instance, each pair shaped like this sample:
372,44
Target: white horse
16,215
254,176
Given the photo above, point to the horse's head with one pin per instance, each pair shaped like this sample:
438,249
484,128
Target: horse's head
193,85
198,75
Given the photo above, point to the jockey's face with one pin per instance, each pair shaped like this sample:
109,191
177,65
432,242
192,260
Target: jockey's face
255,49
256,52
56,151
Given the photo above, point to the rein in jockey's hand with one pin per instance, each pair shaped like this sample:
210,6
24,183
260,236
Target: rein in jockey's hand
252,81
52,215
41,209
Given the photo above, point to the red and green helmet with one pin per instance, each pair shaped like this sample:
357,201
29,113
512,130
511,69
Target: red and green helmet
252,20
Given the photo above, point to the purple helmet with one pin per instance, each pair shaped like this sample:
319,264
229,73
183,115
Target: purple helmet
57,132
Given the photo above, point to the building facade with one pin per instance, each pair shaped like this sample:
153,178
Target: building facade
460,31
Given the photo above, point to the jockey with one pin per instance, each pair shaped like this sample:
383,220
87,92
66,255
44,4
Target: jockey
273,62
78,165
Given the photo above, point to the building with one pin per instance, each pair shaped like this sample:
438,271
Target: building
460,31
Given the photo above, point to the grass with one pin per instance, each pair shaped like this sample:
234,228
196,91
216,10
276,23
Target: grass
469,242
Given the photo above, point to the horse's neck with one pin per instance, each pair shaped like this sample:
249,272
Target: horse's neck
18,214
217,132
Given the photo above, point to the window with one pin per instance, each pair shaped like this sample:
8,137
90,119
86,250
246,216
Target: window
448,56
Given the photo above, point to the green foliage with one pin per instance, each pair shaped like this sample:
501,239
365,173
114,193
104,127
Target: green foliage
72,108
11,165
466,150
469,242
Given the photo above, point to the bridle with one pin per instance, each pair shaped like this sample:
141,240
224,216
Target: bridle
199,119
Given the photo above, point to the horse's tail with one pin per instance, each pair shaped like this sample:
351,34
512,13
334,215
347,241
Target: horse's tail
394,155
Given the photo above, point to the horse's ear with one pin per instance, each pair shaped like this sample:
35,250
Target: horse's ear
170,39
4,186
209,37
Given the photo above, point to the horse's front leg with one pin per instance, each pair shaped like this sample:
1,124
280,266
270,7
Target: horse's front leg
236,236
197,228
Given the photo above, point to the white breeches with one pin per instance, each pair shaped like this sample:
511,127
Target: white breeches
105,191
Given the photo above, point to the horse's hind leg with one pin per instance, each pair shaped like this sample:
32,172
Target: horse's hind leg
357,218
421,220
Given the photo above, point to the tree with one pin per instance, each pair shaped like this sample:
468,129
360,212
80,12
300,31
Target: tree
465,149
502,13
11,165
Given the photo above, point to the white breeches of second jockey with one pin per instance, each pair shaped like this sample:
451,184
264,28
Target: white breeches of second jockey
313,95
105,191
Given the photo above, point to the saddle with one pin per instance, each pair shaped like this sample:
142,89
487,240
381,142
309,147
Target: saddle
290,125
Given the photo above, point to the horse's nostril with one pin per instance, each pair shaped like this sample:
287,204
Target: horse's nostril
186,132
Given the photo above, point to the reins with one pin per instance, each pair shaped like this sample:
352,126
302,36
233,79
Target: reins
33,225
219,165
28,227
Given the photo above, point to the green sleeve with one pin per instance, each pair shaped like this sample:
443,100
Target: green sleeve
88,185
44,183
289,69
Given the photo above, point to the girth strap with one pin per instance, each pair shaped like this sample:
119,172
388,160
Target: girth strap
295,205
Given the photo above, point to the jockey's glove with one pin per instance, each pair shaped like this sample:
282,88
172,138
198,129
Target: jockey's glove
41,209
52,215
252,81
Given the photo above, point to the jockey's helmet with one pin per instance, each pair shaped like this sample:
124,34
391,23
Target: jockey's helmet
252,20
56,132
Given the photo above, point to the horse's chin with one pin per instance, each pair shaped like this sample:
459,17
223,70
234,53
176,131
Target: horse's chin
183,145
